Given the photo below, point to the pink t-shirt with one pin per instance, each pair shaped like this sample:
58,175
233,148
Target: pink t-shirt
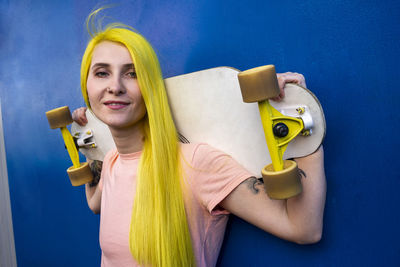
211,176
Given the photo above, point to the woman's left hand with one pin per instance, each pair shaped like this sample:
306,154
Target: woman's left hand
288,77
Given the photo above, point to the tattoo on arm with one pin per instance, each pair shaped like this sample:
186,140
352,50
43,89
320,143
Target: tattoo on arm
302,174
252,184
96,166
183,139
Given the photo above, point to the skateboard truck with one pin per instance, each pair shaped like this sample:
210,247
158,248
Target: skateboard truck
281,178
79,174
85,139
302,112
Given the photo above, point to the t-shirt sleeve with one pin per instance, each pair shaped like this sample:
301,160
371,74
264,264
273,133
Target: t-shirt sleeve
217,175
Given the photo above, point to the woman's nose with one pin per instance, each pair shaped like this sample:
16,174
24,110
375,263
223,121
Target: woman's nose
116,87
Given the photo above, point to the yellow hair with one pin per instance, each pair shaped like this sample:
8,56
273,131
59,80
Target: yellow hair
159,232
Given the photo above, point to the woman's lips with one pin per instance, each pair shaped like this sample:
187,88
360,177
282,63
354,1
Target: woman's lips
116,105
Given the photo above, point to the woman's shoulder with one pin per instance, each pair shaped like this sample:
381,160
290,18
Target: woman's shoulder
110,155
193,148
199,152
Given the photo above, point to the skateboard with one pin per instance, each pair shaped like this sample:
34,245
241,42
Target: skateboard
215,107
78,173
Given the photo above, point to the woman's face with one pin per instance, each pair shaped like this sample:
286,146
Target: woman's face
112,87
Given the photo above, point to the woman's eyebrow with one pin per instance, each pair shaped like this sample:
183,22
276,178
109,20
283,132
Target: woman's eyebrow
106,65
129,66
102,65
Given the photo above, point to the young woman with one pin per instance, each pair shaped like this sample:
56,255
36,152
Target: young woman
165,203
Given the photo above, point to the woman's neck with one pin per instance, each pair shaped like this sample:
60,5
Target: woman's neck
130,139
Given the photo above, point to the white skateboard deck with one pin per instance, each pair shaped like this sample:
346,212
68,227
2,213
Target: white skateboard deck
207,107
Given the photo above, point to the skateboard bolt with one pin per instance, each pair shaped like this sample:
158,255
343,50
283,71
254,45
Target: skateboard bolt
300,110
281,130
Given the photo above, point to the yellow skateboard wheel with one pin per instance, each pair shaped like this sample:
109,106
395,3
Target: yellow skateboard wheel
59,117
80,175
259,84
282,184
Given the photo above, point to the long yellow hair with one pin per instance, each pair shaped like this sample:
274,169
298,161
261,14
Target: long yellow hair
159,232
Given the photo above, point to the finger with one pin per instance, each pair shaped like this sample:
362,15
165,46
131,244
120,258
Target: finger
82,121
281,83
282,93
294,77
76,114
79,116
303,82
84,118
277,99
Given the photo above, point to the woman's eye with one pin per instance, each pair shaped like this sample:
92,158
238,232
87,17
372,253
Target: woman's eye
131,74
101,74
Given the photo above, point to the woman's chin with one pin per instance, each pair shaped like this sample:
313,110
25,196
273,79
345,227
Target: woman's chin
124,124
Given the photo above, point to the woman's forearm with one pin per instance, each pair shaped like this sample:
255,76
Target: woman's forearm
306,210
93,197
93,191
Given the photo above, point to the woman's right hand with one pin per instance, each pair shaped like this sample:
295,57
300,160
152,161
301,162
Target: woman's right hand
79,116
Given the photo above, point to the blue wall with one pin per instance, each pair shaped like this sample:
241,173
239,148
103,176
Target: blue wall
348,51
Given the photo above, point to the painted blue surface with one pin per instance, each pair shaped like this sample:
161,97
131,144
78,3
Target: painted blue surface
348,51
